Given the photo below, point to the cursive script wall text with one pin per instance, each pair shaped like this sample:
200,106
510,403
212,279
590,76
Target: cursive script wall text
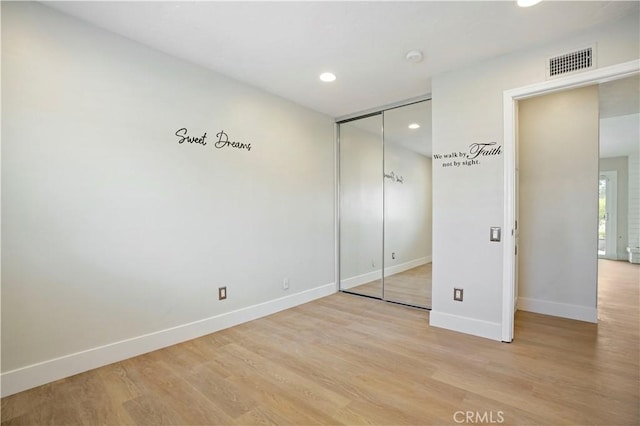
476,152
394,177
222,141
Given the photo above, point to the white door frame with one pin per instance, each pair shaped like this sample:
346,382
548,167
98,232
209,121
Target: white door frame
611,239
510,97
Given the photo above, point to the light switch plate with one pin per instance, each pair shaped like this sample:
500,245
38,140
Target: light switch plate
494,234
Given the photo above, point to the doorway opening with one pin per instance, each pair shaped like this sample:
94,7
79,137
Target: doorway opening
510,100
557,161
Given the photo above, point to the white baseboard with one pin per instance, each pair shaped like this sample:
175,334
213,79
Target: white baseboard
396,269
24,378
481,328
375,275
563,310
351,282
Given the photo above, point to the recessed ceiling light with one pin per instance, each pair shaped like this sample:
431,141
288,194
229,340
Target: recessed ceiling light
327,77
528,3
414,126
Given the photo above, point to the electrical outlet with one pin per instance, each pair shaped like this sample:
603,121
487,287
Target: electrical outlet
285,284
393,255
222,293
458,294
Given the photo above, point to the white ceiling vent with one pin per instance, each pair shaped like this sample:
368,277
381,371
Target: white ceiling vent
571,62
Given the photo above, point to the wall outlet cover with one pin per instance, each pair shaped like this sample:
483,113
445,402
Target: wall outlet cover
458,294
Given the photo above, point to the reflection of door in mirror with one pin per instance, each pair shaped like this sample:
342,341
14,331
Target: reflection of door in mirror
407,204
361,160
607,215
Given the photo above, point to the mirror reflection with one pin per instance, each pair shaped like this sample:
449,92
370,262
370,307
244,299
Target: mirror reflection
361,203
407,204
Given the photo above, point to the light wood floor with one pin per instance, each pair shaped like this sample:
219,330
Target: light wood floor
346,359
412,287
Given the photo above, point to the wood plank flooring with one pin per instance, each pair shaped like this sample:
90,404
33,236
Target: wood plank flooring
411,287
345,359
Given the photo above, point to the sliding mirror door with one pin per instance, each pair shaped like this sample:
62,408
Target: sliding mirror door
407,204
361,204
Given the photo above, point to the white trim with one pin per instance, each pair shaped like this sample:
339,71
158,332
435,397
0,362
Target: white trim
508,247
509,97
564,310
611,237
486,329
336,203
38,374
367,277
351,282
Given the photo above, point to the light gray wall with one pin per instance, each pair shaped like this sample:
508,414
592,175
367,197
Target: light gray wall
468,108
621,166
558,198
111,229
407,218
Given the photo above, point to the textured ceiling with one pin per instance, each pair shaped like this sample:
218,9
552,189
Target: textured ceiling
282,47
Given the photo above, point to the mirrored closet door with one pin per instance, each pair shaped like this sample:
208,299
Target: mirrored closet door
407,204
361,204
385,205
